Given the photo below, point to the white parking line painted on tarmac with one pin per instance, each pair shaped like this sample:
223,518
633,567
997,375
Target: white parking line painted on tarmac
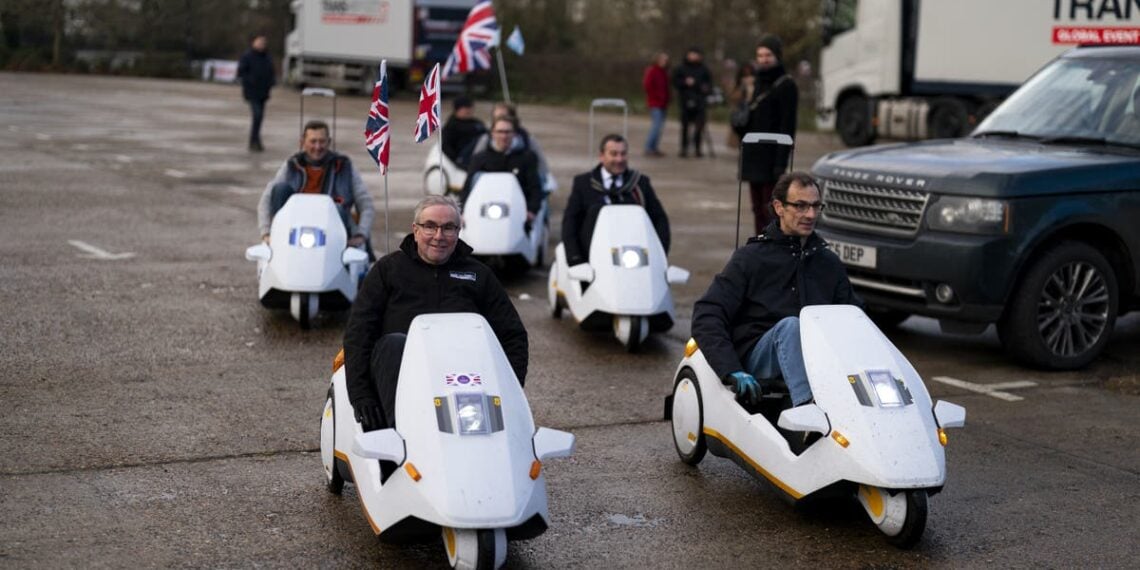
93,252
175,173
994,390
241,191
123,158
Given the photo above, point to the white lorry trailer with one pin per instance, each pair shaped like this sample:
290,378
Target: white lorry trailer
340,43
914,69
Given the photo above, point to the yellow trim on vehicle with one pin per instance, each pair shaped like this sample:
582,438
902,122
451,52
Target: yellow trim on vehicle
341,455
775,481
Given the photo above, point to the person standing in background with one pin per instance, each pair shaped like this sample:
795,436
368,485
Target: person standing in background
772,109
255,69
693,83
655,81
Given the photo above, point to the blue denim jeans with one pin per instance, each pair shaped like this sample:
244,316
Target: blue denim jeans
779,354
257,110
658,116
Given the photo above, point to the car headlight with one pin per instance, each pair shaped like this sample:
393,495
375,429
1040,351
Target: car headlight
471,413
969,215
307,237
630,257
495,210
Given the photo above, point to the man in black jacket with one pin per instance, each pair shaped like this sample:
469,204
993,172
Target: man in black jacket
747,324
461,131
610,182
503,156
772,109
693,83
256,72
432,272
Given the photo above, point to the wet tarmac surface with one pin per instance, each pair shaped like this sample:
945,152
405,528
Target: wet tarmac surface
156,415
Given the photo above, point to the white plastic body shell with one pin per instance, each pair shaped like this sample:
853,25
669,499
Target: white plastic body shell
504,234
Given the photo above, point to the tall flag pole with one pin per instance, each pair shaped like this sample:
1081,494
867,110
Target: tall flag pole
377,137
497,44
427,122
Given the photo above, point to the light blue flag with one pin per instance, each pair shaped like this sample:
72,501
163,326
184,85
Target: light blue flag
515,41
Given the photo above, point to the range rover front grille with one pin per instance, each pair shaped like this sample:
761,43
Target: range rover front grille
883,209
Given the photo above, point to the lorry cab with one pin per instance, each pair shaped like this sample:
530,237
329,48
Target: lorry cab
1030,223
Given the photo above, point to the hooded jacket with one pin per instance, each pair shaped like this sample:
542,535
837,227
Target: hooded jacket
402,286
775,112
516,160
770,278
341,182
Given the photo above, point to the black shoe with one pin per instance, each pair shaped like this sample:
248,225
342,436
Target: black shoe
256,147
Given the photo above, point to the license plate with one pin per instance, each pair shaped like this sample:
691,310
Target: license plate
854,254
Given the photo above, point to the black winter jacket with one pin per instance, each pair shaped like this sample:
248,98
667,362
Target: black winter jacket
255,69
588,195
402,286
770,278
520,162
692,97
773,113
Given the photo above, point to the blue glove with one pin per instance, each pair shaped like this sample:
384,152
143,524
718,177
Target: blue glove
746,387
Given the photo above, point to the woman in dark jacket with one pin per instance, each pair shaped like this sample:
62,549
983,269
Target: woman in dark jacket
772,109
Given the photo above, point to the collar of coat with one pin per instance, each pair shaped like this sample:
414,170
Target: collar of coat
408,246
301,160
774,235
630,179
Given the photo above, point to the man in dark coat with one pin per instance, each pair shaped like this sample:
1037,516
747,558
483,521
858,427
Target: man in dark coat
432,272
504,156
747,324
772,109
461,131
610,182
255,69
693,83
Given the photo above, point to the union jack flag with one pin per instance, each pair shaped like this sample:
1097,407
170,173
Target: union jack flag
428,120
471,51
463,379
376,134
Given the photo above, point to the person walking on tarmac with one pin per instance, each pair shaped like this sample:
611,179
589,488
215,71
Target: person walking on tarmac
431,272
610,182
693,83
771,109
255,69
655,82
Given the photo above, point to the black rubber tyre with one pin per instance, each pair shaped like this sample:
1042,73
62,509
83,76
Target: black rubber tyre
887,319
334,483
949,118
635,340
701,447
915,523
303,316
853,121
1063,310
486,557
428,190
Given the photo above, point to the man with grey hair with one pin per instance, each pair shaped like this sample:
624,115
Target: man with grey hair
431,272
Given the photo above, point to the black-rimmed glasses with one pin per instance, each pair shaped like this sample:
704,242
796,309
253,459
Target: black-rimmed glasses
431,228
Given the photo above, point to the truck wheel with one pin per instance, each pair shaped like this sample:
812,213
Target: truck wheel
1063,311
853,121
948,119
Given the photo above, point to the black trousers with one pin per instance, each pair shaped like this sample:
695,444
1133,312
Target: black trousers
695,119
386,356
257,110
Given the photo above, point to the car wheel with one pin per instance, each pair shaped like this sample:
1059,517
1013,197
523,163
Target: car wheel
853,121
1064,309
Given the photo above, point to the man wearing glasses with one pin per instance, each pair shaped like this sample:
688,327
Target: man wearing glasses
747,324
504,156
431,272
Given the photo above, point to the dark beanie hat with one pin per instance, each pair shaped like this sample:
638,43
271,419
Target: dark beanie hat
462,101
773,43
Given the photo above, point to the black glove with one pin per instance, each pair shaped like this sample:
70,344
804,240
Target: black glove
369,416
